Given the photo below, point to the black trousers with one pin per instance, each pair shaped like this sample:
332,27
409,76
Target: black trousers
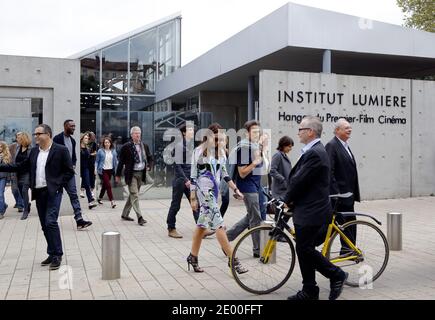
48,212
351,231
311,260
178,189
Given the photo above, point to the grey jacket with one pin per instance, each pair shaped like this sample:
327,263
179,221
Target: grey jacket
280,171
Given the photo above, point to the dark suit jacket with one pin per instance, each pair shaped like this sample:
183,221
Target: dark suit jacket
126,158
309,188
58,169
280,169
59,139
344,175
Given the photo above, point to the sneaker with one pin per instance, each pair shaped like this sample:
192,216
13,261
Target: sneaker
55,263
174,234
113,204
82,194
47,261
141,221
302,295
81,224
20,209
100,201
92,204
337,285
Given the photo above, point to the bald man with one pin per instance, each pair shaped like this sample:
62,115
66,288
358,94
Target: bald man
344,174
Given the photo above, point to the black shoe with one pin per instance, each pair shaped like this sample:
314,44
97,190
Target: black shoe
24,216
302,295
256,255
127,218
47,261
100,201
55,263
141,221
81,224
337,285
20,209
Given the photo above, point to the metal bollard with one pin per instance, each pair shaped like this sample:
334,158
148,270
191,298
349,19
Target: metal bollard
111,255
394,230
264,237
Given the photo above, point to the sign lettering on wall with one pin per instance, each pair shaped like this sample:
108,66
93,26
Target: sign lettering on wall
378,109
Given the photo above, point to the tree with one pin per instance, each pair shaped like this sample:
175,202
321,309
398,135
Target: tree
419,14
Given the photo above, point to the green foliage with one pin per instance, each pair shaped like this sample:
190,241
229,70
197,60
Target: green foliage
419,14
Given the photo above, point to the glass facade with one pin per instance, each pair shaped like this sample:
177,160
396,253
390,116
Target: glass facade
119,80
118,91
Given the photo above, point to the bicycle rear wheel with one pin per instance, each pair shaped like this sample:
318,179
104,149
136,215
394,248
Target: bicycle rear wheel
266,272
364,267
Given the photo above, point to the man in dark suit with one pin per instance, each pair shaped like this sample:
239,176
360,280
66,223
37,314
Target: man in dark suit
50,170
308,191
136,159
344,175
65,138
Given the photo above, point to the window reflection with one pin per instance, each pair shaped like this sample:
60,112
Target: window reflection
90,73
141,103
143,62
116,103
115,68
167,50
89,105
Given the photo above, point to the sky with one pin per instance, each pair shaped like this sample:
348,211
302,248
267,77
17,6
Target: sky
60,28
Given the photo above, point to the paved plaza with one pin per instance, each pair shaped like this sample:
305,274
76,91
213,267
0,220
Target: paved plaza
153,266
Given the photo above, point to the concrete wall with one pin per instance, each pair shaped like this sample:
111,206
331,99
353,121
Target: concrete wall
56,81
389,165
229,108
423,131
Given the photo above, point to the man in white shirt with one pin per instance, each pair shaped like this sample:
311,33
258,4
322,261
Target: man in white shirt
50,168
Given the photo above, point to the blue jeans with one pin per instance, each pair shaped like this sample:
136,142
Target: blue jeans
19,203
71,189
48,212
86,183
262,201
2,195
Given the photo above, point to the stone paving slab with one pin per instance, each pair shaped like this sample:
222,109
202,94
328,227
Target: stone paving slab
153,266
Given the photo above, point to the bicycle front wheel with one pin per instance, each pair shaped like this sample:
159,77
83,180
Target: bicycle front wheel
364,266
269,266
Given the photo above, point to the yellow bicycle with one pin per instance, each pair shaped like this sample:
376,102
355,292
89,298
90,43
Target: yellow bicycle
364,259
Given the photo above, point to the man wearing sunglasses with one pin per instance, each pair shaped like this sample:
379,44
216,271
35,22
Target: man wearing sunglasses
50,168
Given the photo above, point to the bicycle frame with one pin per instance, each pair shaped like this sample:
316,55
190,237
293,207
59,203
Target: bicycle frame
333,227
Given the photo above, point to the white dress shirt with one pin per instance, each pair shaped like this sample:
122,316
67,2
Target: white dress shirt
40,181
346,146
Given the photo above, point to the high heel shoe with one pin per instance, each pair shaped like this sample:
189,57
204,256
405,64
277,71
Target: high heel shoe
193,261
237,265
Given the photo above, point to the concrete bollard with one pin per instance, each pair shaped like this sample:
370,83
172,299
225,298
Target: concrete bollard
111,255
394,230
264,237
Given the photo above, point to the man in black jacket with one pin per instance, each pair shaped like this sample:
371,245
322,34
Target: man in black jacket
344,175
308,191
136,159
181,182
50,170
65,138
